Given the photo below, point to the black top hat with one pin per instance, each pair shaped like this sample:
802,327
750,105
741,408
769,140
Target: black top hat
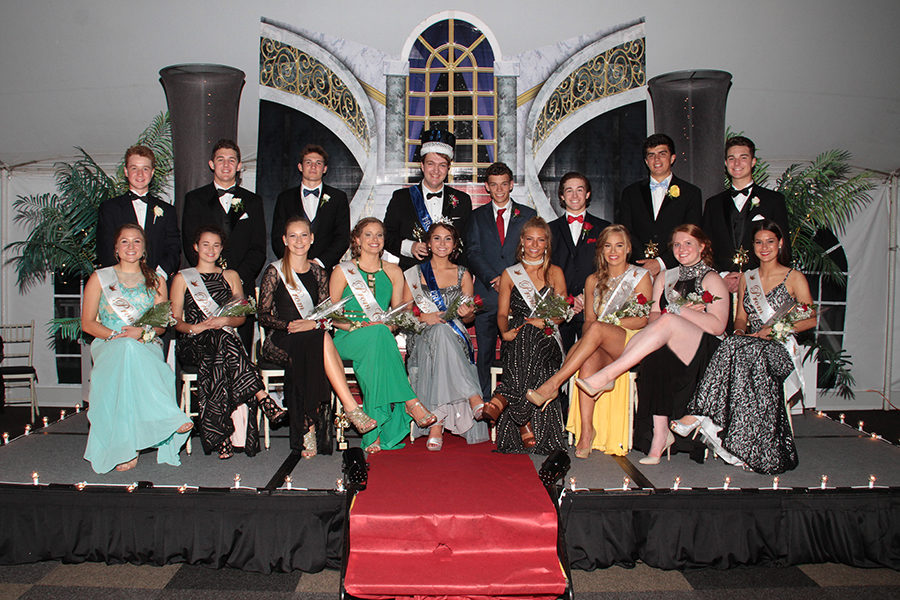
438,140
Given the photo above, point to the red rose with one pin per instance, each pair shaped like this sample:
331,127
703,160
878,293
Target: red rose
415,310
641,299
477,300
570,300
707,297
587,226
548,331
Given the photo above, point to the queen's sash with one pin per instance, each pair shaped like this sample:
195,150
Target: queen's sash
623,291
437,300
361,291
422,297
529,293
109,283
757,297
299,294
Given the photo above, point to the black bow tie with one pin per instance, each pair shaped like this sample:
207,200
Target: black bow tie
431,195
314,192
744,192
232,190
134,197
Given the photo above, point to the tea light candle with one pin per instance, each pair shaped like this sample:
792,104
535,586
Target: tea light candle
81,485
237,480
62,415
182,488
28,430
842,416
45,421
871,481
339,484
77,408
676,483
726,483
5,438
775,483
824,483
572,483
34,478
860,426
288,481
625,482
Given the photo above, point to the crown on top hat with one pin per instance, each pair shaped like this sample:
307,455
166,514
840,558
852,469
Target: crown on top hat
438,140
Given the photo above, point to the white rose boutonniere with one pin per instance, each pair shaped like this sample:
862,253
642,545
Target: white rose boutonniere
157,212
325,198
237,205
754,201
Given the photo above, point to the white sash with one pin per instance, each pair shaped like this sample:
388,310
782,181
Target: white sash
361,291
109,283
299,294
420,293
526,288
623,291
524,284
199,293
760,303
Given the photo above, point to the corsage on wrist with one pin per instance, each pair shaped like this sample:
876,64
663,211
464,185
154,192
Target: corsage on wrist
148,335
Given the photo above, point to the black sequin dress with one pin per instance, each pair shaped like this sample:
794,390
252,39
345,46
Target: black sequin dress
665,384
225,376
528,361
742,392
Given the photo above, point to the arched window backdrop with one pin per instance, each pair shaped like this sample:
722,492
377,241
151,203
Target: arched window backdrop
451,86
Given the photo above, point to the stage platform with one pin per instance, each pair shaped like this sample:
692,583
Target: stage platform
158,514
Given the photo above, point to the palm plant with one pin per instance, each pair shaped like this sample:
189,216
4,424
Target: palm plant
62,237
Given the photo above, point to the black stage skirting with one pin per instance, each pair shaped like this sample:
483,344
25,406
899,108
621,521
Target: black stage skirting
265,532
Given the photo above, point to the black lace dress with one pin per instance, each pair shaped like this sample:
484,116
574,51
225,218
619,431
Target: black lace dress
225,376
528,361
665,384
307,393
742,392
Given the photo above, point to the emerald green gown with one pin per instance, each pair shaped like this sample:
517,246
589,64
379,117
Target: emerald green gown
379,368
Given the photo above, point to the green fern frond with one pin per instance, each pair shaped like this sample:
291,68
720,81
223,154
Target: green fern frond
68,328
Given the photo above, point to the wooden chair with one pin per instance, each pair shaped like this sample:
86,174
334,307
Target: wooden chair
18,341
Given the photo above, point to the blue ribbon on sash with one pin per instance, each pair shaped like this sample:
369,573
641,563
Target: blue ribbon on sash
438,299
418,202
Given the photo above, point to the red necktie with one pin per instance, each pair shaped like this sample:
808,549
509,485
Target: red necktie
501,229
571,219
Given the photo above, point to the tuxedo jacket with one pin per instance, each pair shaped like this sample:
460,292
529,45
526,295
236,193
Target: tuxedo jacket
576,260
730,230
635,211
400,220
161,231
331,227
486,257
245,230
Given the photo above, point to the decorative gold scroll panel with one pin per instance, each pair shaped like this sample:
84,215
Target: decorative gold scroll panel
290,70
617,70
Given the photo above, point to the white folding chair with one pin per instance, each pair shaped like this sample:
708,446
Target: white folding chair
17,367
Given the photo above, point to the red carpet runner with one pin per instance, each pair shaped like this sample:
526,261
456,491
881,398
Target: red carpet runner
463,522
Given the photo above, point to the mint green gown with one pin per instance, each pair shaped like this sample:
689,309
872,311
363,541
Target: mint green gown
379,368
132,399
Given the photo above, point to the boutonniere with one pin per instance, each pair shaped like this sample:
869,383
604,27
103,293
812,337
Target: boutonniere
325,199
454,201
157,212
585,227
674,191
754,201
237,205
517,212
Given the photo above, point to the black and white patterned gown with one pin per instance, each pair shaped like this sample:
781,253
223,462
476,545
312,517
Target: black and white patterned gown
742,392
528,361
225,376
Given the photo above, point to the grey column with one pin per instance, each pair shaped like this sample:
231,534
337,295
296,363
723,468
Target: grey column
689,106
395,119
203,107
507,75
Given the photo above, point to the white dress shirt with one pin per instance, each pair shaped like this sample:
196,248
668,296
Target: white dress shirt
435,208
575,227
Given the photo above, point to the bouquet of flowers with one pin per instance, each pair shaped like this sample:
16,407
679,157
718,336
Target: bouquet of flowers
399,318
638,306
327,313
459,299
238,306
676,304
158,315
783,326
551,306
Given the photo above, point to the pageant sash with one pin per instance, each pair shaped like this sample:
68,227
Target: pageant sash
299,294
767,314
529,293
623,291
671,280
438,299
524,284
423,300
418,202
112,291
199,292
361,291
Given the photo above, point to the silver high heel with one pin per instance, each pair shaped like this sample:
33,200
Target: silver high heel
683,430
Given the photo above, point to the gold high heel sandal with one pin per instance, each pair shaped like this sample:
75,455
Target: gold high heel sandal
309,444
654,460
425,418
359,419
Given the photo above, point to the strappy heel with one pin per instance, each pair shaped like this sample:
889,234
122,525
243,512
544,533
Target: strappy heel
274,413
309,444
423,420
226,450
363,422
